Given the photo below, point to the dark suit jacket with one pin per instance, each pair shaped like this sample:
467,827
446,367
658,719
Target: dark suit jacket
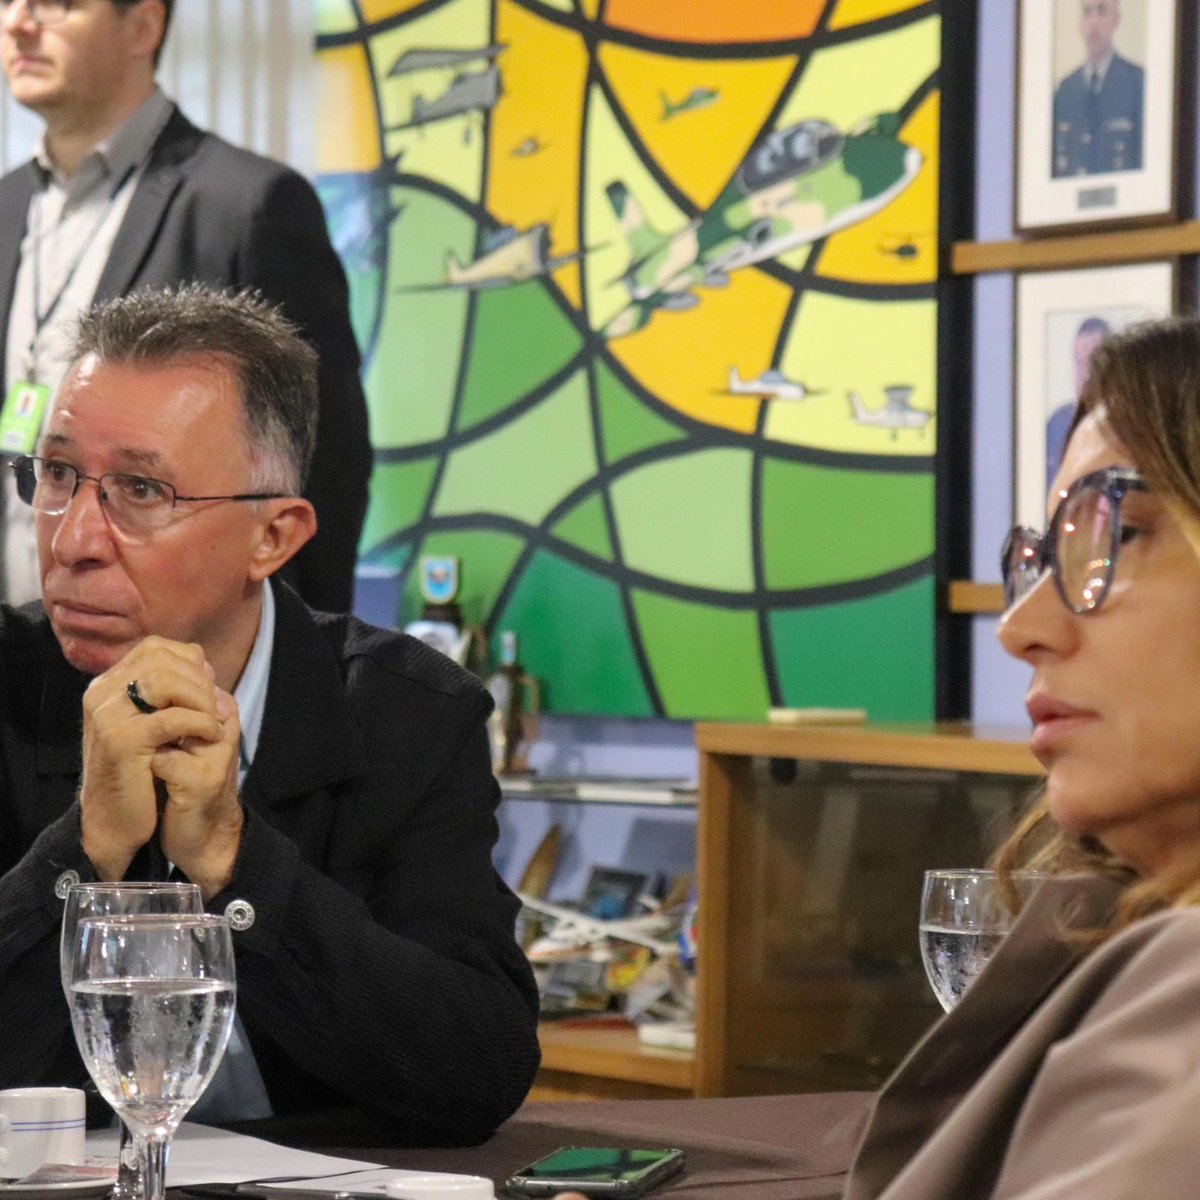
1097,133
381,971
1061,1075
207,211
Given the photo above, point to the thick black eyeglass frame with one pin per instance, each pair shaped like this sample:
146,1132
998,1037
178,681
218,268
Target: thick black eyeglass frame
1041,549
25,469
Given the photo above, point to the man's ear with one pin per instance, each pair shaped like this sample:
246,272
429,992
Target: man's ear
286,526
146,22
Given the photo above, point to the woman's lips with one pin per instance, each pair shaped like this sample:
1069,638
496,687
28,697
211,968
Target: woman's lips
1053,722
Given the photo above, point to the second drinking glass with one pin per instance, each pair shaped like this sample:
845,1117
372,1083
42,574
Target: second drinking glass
121,899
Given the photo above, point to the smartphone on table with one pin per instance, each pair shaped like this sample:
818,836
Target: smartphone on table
604,1172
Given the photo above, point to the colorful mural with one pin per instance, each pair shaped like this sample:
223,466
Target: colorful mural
646,295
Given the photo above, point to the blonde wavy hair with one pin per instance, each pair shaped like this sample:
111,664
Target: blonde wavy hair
1148,381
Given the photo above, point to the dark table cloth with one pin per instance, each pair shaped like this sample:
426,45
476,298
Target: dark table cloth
755,1148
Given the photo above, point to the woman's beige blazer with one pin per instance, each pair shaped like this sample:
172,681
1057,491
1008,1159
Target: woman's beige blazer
1063,1074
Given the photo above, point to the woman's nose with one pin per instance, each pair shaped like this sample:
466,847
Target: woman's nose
1038,622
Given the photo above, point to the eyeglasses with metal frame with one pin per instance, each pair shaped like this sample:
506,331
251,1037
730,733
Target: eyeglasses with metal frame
134,504
41,12
1079,547
51,12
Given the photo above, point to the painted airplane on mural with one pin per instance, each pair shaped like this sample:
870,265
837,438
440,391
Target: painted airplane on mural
509,256
796,185
770,385
896,413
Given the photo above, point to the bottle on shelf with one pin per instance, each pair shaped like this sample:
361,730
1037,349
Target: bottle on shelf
513,723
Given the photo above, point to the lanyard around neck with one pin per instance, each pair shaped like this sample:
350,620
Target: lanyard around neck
42,317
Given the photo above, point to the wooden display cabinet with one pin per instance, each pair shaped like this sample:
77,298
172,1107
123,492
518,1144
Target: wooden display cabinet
812,846
812,843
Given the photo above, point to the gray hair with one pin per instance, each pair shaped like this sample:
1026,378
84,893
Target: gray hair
275,368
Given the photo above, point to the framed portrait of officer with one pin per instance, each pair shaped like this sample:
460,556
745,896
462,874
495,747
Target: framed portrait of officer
1062,317
1097,112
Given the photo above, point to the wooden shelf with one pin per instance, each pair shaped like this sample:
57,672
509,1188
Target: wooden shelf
613,1053
585,1061
967,596
797,878
1077,250
946,745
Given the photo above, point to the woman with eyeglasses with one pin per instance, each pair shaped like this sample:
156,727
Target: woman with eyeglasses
1071,1069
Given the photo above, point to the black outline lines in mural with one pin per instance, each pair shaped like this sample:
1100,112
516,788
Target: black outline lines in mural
786,275
368,29
538,537
595,346
386,163
468,342
757,468
601,482
614,536
637,144
596,27
457,440
637,642
599,346
696,435
608,474
775,48
919,95
617,571
758,553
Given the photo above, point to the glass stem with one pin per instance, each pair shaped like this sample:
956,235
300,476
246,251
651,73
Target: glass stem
129,1180
152,1162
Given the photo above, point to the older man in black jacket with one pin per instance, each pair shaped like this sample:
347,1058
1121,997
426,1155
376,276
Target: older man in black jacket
328,784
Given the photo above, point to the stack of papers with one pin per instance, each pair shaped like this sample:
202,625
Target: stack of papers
200,1154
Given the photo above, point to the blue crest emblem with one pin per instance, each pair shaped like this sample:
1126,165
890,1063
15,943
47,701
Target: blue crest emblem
439,578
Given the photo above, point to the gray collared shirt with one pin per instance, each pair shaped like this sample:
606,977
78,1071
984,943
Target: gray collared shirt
69,234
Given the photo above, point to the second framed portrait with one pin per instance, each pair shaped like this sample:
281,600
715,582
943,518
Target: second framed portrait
1062,317
1097,112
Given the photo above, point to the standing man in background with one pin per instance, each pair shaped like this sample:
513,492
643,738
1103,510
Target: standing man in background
124,192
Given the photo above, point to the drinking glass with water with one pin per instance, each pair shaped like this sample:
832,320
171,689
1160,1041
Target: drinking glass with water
964,917
152,1004
110,900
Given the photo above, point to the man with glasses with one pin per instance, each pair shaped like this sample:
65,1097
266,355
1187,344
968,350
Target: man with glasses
328,785
124,192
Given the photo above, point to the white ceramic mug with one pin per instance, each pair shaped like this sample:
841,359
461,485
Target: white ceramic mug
40,1125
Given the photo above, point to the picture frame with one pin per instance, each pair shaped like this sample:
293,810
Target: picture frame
1061,316
611,894
1096,149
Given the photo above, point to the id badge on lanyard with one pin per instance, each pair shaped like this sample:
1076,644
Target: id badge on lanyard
27,401
22,416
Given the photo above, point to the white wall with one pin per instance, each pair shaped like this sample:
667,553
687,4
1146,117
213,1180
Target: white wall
243,68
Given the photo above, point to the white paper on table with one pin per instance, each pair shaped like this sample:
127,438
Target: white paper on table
373,1181
202,1154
